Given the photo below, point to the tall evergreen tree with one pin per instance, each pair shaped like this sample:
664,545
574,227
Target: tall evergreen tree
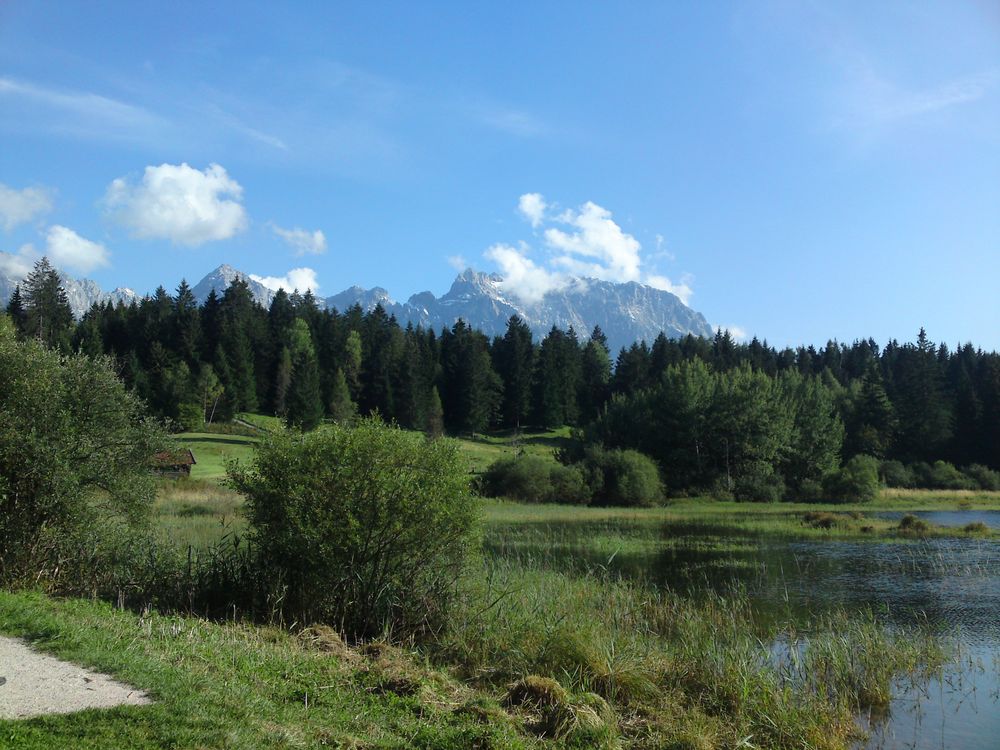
513,359
305,404
47,313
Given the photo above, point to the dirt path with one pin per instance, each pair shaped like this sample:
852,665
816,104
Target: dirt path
35,684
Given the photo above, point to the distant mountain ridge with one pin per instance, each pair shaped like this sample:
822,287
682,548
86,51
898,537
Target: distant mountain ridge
81,293
626,312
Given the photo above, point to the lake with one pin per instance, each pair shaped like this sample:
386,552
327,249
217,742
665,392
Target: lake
951,586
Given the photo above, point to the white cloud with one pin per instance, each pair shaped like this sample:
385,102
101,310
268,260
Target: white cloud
521,276
682,290
85,109
532,207
737,332
610,253
179,203
304,241
457,262
21,206
581,243
18,265
68,250
298,278
871,99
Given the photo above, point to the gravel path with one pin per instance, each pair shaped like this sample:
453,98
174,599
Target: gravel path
33,684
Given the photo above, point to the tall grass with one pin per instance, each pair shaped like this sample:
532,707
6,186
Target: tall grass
703,673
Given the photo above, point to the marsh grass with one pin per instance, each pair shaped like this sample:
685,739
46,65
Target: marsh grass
672,667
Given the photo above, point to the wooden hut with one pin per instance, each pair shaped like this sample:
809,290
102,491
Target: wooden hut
173,464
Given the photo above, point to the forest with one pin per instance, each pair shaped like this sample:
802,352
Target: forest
712,412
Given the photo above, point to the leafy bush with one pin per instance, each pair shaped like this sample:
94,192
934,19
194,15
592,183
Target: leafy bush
944,476
363,528
984,477
534,479
623,477
910,525
759,483
895,474
855,482
191,417
568,485
75,451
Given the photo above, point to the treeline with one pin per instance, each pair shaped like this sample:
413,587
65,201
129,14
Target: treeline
704,408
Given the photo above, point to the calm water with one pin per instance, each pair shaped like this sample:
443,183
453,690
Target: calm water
949,585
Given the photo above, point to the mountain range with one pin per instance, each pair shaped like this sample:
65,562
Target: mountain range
626,312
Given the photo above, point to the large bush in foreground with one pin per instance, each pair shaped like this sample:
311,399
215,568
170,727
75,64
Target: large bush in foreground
365,528
75,451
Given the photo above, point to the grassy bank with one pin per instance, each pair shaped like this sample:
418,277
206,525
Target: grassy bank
531,658
229,685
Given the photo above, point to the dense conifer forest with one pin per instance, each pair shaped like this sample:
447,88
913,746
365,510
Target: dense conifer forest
706,409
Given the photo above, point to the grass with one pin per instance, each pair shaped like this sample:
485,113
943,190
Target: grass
230,685
483,450
197,513
263,421
211,451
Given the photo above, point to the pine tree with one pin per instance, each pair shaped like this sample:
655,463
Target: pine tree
924,414
47,313
513,360
341,407
595,376
16,311
304,403
434,415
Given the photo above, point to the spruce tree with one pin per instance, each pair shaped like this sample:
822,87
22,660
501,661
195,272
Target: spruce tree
16,311
47,313
513,359
304,403
341,407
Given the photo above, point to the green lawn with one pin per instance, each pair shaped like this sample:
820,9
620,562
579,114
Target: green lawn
482,450
211,450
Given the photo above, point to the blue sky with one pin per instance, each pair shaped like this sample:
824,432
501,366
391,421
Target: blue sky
799,171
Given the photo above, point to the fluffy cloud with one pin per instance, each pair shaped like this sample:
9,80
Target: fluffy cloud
532,207
303,241
682,290
179,203
595,245
18,265
521,275
68,250
586,243
21,206
298,278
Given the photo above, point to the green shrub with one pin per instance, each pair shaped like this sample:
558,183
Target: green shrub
944,476
363,528
895,474
759,483
75,452
855,482
569,485
191,417
535,479
910,525
984,477
622,477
